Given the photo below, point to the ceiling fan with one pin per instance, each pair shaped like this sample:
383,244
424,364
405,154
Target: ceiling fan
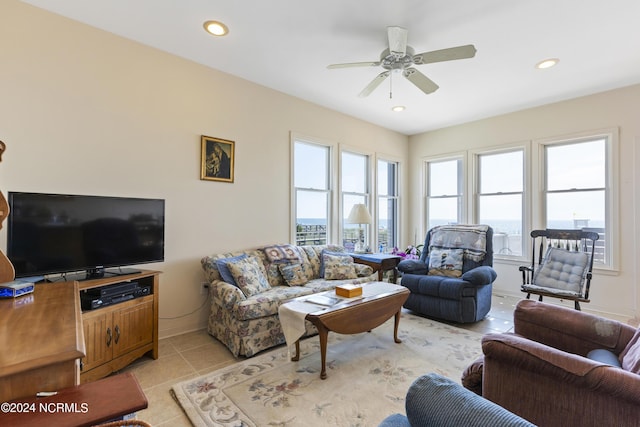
399,56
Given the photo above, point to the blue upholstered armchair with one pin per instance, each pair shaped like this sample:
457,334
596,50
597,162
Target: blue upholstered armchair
453,279
433,400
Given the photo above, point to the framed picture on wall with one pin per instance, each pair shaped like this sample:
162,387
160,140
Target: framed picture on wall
217,159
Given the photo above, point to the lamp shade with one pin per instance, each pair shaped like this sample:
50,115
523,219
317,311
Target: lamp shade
359,215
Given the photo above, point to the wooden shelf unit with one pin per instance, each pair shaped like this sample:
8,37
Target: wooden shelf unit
41,341
118,334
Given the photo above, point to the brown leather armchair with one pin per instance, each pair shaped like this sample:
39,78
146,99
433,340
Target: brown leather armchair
543,374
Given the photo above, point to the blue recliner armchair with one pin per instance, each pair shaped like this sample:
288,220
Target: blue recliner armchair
453,279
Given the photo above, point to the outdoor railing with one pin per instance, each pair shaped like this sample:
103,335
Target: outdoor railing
311,235
317,235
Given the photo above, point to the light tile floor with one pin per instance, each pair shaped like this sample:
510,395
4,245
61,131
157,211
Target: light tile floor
196,353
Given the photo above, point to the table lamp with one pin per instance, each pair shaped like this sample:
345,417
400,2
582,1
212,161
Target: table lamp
359,215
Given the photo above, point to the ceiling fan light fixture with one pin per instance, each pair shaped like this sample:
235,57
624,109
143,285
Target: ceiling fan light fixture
547,63
216,28
398,108
399,57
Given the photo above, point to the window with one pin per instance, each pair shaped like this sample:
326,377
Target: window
354,174
387,205
312,192
319,213
568,183
577,189
500,184
444,192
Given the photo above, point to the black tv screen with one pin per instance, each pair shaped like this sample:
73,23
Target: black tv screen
58,233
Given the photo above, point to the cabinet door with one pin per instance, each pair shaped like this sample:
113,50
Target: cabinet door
98,338
133,327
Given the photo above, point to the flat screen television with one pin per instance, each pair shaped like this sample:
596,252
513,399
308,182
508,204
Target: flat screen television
60,233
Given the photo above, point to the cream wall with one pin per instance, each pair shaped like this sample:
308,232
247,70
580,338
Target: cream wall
85,112
611,294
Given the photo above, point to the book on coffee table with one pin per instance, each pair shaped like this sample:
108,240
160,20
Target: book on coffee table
323,299
329,299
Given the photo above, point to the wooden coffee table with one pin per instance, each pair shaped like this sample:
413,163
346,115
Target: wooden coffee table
357,316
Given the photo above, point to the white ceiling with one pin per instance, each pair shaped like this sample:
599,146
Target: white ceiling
287,44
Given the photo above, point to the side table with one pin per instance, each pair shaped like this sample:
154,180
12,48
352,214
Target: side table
380,263
83,405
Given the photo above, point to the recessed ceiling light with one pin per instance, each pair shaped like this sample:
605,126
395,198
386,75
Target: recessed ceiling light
547,63
216,28
398,108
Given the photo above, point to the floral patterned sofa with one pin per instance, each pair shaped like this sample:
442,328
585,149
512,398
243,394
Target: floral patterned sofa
244,314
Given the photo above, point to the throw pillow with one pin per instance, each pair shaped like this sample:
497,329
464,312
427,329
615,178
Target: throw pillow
562,270
313,260
605,356
224,270
630,356
333,253
249,275
296,274
446,262
282,253
338,267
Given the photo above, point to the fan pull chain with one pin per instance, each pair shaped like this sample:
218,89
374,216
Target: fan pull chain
391,85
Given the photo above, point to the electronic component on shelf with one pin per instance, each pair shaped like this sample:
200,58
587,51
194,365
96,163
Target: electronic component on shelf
16,288
93,298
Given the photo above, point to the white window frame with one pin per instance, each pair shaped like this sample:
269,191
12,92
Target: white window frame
397,197
331,208
465,201
525,147
612,235
369,200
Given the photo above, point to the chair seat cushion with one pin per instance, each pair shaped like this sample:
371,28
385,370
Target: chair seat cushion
556,291
438,286
562,270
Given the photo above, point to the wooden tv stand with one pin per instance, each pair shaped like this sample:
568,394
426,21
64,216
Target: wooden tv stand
118,334
47,342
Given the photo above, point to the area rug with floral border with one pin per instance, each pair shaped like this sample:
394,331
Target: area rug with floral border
368,378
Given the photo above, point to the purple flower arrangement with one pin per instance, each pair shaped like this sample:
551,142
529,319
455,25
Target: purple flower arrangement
412,252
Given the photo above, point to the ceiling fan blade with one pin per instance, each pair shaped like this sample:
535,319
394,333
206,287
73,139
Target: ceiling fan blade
374,84
459,52
354,64
423,82
397,40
